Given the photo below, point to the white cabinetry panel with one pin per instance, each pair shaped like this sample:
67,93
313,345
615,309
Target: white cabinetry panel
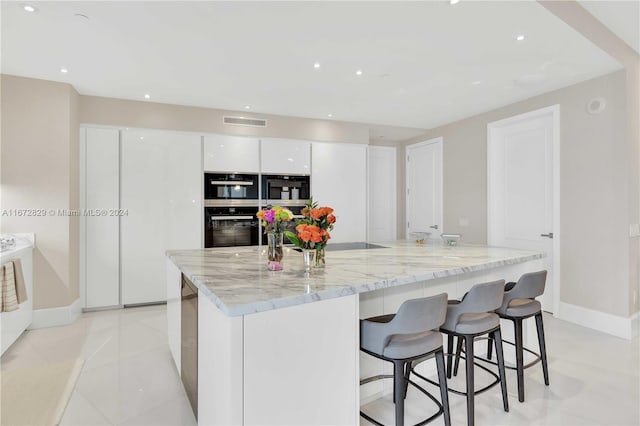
339,180
285,156
288,364
231,154
161,189
102,281
382,193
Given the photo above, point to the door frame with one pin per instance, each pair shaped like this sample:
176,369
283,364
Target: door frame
554,110
438,140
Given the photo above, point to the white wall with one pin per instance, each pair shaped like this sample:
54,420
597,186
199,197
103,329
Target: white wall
596,179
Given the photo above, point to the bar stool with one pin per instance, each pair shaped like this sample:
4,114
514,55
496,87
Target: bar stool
401,338
519,304
468,318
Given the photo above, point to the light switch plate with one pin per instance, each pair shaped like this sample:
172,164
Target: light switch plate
634,230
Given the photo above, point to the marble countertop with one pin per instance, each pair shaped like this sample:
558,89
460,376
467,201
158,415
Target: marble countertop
23,242
237,281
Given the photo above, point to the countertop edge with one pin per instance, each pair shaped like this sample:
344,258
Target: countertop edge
347,290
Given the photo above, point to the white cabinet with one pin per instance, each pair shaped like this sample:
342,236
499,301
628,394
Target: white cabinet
382,193
339,180
231,154
161,190
285,156
101,233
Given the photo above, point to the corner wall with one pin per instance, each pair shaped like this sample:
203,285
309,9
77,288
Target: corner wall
39,170
596,178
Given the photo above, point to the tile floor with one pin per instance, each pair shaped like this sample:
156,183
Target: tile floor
129,378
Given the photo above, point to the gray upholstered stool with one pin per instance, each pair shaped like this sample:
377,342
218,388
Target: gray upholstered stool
519,304
471,317
402,338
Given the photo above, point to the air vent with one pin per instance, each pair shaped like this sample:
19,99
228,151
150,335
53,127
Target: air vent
241,121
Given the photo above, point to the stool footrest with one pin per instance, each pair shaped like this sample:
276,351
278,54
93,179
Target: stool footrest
457,392
511,367
424,391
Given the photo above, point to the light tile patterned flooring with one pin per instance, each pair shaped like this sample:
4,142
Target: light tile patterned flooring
129,378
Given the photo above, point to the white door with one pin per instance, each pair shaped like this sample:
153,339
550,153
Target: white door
161,178
424,187
382,193
339,180
520,187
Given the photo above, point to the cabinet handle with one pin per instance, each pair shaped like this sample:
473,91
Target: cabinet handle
231,182
549,235
231,217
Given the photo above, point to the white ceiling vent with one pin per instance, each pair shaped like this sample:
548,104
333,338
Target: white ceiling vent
241,121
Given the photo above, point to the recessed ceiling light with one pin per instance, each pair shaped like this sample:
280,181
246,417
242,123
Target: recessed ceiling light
147,96
64,70
80,15
520,37
476,83
316,65
29,8
329,115
247,107
452,2
359,72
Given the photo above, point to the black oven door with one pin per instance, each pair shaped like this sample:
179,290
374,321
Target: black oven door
229,230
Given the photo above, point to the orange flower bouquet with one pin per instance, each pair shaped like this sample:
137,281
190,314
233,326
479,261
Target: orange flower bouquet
313,229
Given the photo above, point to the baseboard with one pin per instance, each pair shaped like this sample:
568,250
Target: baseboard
53,317
625,328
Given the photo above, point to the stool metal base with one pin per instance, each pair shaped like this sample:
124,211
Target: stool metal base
520,366
401,379
414,384
469,367
475,392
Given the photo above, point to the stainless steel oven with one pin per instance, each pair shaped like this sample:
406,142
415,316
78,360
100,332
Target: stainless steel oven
226,187
230,225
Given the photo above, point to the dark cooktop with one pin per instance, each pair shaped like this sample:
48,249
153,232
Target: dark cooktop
352,246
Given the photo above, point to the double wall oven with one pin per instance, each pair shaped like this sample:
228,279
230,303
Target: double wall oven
232,200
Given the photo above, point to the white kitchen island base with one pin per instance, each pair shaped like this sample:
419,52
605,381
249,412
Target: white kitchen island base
253,373
282,348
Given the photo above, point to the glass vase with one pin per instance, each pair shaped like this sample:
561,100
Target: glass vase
275,251
319,257
307,258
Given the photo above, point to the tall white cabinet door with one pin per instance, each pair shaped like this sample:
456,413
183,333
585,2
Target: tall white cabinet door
101,233
233,154
285,156
161,189
339,180
382,193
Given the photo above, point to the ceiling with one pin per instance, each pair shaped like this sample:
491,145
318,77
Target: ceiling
423,63
621,17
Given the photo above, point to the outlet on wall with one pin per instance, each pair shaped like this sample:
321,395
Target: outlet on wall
634,230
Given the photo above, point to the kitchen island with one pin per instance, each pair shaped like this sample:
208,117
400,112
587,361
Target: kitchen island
282,347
